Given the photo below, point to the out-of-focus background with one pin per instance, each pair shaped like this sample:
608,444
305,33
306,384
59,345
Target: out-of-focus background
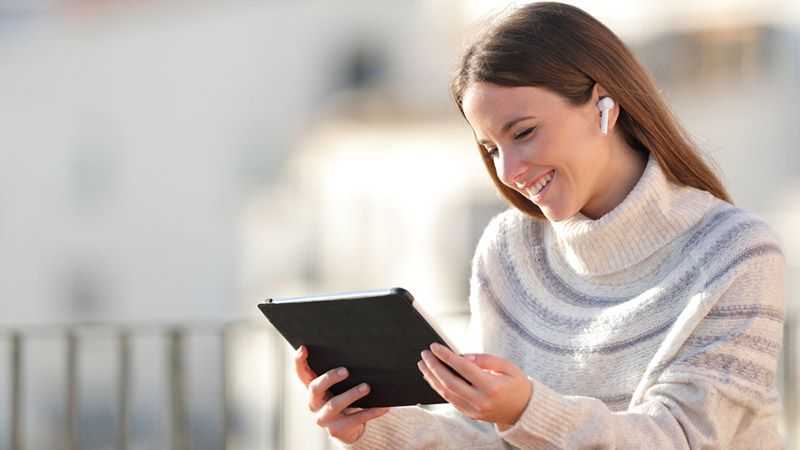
167,164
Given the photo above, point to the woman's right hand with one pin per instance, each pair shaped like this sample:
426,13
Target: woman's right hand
333,413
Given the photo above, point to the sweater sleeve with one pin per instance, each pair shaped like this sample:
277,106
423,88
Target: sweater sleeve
679,415
719,383
413,427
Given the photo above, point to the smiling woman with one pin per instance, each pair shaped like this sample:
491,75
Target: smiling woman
623,302
535,139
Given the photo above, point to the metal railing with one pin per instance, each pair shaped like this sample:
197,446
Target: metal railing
174,341
174,337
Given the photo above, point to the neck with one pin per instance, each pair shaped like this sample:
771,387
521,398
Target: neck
626,165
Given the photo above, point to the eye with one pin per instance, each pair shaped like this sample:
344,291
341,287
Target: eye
524,133
491,152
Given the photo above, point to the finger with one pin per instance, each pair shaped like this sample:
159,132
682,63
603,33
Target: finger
318,388
338,404
492,363
432,380
446,378
437,384
466,368
301,367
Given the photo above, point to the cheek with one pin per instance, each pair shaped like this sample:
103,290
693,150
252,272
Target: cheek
554,152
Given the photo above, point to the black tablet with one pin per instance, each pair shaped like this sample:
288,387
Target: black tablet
377,335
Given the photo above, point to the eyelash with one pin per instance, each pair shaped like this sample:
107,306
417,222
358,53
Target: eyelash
492,152
524,133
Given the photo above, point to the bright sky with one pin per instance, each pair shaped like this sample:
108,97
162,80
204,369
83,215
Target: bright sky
633,18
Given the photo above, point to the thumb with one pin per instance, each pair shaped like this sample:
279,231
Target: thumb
491,362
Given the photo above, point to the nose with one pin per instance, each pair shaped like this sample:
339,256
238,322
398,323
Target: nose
510,168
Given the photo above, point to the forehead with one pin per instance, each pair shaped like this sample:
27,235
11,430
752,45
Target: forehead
489,105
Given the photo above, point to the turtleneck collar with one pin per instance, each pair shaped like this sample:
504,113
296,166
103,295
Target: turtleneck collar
653,214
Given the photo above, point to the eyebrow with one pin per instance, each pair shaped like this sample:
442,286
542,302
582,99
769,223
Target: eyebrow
508,126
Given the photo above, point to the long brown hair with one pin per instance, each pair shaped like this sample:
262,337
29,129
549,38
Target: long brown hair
565,50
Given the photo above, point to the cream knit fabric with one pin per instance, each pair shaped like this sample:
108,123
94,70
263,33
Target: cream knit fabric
657,326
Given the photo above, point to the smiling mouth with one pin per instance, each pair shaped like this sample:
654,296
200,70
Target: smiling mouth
541,184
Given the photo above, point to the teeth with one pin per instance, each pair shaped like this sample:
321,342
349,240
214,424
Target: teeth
536,188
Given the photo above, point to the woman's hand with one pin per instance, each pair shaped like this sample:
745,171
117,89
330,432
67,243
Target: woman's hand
333,413
498,391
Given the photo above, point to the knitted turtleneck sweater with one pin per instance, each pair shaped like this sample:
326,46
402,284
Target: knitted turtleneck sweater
657,326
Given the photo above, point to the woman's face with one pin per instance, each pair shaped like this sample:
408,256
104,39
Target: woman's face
545,148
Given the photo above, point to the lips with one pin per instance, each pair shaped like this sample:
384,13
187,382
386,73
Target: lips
536,185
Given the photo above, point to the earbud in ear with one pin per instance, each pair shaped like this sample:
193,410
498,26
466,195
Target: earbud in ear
605,104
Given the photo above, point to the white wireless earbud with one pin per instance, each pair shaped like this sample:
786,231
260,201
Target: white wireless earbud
605,104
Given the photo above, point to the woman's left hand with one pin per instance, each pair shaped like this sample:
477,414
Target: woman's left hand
498,391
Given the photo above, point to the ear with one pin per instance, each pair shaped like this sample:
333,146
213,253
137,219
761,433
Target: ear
599,92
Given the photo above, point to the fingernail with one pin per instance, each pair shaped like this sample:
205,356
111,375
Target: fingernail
435,346
363,387
341,372
299,350
470,357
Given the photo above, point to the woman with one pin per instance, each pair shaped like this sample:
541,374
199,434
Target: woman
624,302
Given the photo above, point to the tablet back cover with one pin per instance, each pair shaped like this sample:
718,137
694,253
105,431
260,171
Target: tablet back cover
377,335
